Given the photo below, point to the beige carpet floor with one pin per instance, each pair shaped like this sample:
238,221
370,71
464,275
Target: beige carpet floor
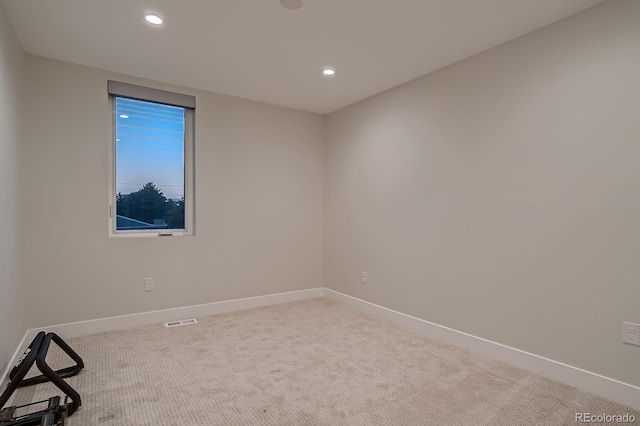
315,362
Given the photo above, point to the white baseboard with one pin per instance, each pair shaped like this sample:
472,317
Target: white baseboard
83,328
4,379
605,387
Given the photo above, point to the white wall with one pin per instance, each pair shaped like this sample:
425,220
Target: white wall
11,69
499,196
259,204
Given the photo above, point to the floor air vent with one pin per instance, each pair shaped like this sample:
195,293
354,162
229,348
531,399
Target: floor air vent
180,323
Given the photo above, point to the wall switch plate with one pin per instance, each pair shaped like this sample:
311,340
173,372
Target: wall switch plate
365,278
631,333
149,284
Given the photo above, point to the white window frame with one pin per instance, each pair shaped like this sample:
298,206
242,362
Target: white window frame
124,90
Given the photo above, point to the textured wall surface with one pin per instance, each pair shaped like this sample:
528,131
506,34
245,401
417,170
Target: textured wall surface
11,71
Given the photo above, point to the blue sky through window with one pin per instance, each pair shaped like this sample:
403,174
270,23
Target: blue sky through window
150,147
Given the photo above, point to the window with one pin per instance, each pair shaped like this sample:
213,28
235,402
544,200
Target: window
152,184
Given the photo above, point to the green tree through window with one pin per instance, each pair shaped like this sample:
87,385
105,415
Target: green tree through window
149,205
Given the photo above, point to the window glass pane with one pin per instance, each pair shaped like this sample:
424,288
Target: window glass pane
150,165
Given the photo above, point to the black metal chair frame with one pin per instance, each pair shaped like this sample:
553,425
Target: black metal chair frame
37,353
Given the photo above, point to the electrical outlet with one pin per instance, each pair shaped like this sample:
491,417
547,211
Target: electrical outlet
149,284
631,333
365,278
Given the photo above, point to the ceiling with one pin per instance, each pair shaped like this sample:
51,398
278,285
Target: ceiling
258,50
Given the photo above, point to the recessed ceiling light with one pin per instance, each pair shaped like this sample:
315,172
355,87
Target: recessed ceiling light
329,72
291,4
153,19
124,116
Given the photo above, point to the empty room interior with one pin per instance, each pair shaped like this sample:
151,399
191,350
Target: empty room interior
319,212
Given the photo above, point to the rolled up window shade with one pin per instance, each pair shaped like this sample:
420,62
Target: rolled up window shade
132,91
